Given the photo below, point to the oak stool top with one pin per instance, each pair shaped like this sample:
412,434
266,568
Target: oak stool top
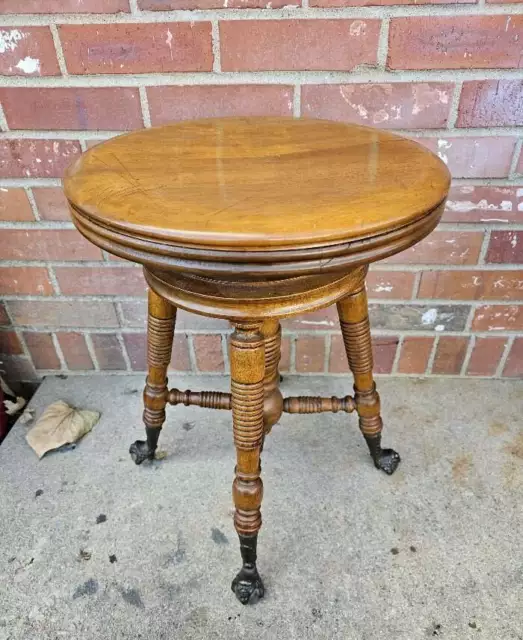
256,184
254,220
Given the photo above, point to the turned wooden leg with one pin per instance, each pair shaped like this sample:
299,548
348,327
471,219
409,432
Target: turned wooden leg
354,321
160,332
247,386
273,403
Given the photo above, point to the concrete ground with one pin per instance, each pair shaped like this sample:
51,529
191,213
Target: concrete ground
93,547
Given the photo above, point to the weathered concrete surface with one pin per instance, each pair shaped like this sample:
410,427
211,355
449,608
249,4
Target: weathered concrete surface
346,552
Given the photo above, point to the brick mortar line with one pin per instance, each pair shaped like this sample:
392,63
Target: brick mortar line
484,247
327,346
14,183
397,355
220,375
188,78
123,349
296,101
119,313
379,376
113,297
432,356
192,353
144,104
293,335
442,226
292,351
285,13
420,302
25,350
504,356
32,201
454,105
416,284
383,44
108,330
468,353
225,352
216,48
59,51
94,134
513,165
54,281
102,264
91,350
3,120
59,352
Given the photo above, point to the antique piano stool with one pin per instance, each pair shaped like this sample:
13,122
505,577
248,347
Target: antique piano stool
253,220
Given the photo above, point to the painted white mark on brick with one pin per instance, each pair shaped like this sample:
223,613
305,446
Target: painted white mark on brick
9,39
519,193
358,28
169,42
514,241
442,146
429,317
379,288
345,94
507,23
380,116
439,327
425,96
3,189
325,323
29,65
396,110
464,206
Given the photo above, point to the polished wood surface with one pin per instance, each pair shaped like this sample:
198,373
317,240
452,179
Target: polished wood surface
254,220
257,183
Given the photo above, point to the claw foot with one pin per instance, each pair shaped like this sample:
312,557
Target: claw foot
248,586
387,460
140,451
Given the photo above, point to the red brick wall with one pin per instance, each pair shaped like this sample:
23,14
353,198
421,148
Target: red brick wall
448,73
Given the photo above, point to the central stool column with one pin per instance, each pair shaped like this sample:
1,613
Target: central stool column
247,387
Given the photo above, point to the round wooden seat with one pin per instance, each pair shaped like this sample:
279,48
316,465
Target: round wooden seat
246,194
253,220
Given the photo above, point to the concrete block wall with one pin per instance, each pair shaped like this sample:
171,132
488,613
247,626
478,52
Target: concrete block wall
447,73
